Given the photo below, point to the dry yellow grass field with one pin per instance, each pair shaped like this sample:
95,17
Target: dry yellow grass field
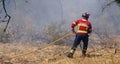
56,54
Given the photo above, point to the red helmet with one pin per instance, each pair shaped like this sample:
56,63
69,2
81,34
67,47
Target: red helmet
86,15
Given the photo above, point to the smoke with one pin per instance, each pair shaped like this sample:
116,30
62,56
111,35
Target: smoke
30,17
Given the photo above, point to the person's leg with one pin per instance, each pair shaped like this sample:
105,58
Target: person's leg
75,44
85,44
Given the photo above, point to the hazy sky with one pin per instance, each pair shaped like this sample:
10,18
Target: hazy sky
40,12
43,11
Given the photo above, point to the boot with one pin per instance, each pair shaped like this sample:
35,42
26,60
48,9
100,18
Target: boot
83,53
70,54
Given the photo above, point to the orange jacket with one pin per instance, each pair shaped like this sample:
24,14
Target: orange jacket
84,26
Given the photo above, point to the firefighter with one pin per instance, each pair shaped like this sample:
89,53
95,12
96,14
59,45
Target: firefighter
82,34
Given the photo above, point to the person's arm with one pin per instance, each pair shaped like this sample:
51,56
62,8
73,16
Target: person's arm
73,25
90,28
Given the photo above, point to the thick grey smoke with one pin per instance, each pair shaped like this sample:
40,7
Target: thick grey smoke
30,17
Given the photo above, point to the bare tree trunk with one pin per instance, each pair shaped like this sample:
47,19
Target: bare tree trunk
6,16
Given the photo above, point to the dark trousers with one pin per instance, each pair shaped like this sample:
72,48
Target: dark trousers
78,39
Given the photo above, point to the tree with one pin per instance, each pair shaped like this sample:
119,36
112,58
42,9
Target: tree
110,3
7,17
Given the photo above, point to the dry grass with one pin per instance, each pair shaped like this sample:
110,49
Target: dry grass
56,55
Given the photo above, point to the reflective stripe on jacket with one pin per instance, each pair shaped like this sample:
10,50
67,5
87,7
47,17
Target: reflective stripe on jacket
84,26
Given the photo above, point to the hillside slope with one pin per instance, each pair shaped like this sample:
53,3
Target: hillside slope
57,55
